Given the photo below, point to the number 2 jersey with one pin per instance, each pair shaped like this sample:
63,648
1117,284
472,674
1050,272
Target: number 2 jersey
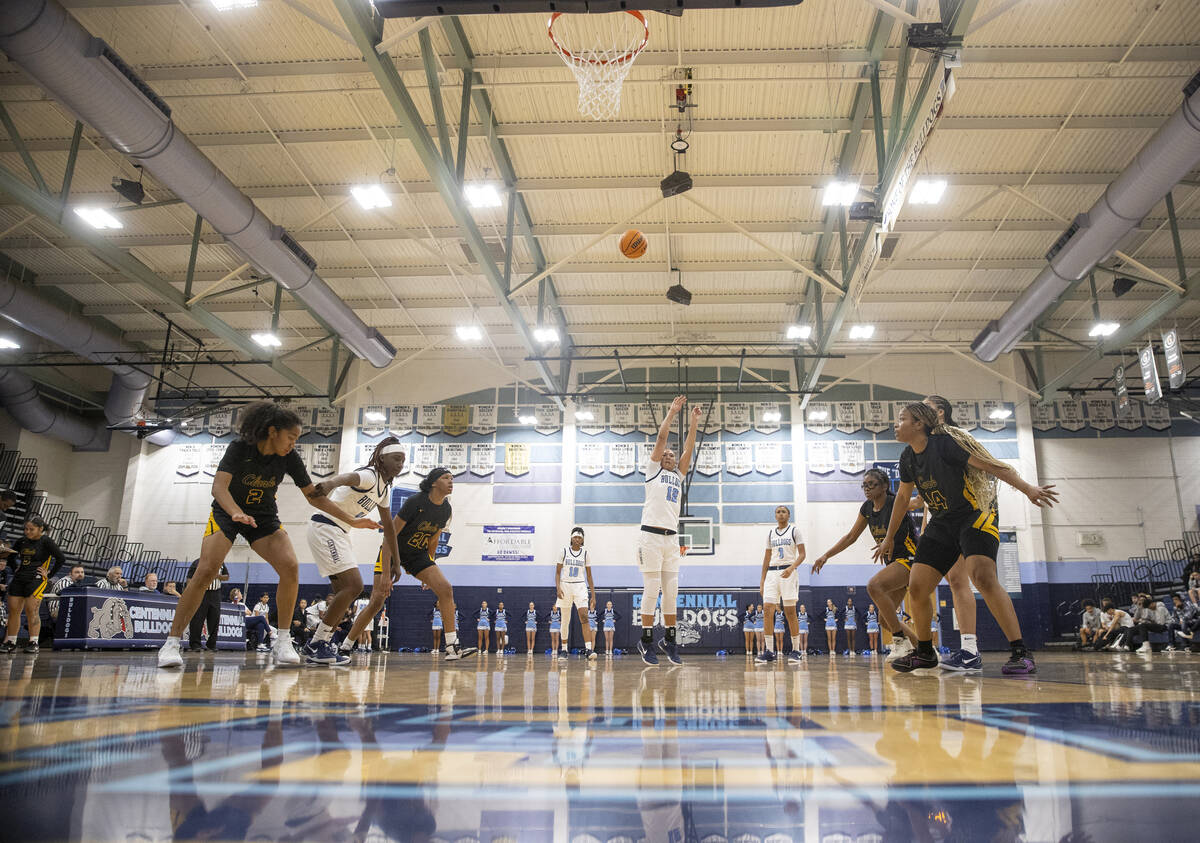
256,477
905,544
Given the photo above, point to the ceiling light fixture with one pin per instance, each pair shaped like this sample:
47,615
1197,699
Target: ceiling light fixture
526,419
927,192
267,340
374,416
1000,413
799,332
840,193
482,194
818,415
98,217
1104,329
772,416
371,196
862,332
584,415
6,343
545,335
469,333
226,5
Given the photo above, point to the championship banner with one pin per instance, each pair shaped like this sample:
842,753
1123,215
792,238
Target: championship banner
818,418
424,457
875,416
986,421
850,456
644,451
708,458
1175,371
372,420
768,457
456,419
738,457
516,459
454,457
849,417
1042,416
621,418
400,419
622,458
591,458
966,414
362,453
1121,390
766,417
710,418
737,416
483,419
1158,416
1070,414
820,457
648,418
1150,374
595,425
483,457
324,460
328,421
429,419
549,419
1132,419
211,457
220,422
191,427
1100,413
188,462
897,406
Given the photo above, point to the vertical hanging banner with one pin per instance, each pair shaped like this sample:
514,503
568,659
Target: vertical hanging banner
372,419
988,409
1042,416
1100,413
875,416
897,406
456,419
324,460
362,454
648,418
1121,391
328,421
766,417
193,427
220,422
591,458
818,418
188,462
1132,418
966,414
1158,416
738,458
1175,370
768,457
425,457
454,457
1150,374
708,458
516,458
483,457
211,458
622,458
1070,414
621,418
429,419
483,419
549,419
400,419
849,416
820,457
710,418
592,423
644,450
737,417
850,456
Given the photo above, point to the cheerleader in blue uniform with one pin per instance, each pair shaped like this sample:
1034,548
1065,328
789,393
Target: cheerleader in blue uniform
850,623
873,628
748,628
802,617
501,628
758,628
484,627
437,629
610,627
530,628
555,628
831,613
778,632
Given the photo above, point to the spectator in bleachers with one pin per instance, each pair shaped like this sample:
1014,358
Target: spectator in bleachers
300,623
150,583
1192,567
1193,585
74,578
1152,617
112,579
124,583
1091,622
258,621
1184,623
316,611
1116,632
170,590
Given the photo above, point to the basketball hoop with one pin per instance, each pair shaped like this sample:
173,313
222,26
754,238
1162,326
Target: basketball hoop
601,68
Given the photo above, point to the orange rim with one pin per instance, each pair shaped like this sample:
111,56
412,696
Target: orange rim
632,54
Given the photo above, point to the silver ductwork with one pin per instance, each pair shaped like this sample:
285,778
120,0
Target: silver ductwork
20,398
1168,157
87,76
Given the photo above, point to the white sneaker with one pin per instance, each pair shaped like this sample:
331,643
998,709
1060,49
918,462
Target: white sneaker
900,647
1145,648
168,654
283,651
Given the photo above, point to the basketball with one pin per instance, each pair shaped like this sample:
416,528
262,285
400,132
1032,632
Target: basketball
633,244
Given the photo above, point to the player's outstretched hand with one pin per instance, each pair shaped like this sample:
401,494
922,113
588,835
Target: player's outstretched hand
818,564
366,524
1042,495
243,518
883,551
677,404
697,412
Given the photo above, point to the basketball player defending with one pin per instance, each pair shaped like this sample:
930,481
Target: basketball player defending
658,548
575,590
779,584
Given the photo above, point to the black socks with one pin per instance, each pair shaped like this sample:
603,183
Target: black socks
925,649
647,635
670,635
1017,645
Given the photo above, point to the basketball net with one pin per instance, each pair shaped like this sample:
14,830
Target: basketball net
600,69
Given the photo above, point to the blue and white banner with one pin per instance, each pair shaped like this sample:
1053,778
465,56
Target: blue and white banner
400,419
508,542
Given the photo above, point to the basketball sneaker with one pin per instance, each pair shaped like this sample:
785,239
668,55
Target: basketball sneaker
1019,665
322,652
962,662
168,654
765,657
671,650
591,655
283,651
647,652
563,654
795,657
900,648
33,650
457,651
914,661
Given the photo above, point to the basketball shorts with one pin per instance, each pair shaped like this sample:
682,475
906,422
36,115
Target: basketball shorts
414,562
575,594
218,520
780,591
330,547
949,536
27,585
657,554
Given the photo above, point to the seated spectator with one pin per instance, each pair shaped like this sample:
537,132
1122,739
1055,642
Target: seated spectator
112,579
1184,623
170,590
300,623
150,583
1091,622
1193,585
1152,617
316,611
74,578
1116,632
258,623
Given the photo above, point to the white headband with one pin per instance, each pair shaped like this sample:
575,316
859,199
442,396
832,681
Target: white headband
393,449
576,532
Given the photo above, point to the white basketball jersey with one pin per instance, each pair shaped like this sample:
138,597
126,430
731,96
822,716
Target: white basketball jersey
783,545
362,499
573,565
663,491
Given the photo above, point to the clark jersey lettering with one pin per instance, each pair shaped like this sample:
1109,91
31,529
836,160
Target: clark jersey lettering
940,473
663,491
256,477
422,519
905,544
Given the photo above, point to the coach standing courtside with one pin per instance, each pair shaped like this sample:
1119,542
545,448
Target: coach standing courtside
208,611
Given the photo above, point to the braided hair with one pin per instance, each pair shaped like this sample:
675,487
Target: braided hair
258,418
981,484
880,475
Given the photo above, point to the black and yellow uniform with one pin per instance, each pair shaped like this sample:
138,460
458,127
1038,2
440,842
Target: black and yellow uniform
422,519
905,544
256,478
956,525
32,554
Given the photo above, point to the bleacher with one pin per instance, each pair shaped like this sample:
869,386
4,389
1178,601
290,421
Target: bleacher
96,547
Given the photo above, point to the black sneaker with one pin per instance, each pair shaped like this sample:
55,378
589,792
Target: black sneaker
670,650
32,648
8,647
914,661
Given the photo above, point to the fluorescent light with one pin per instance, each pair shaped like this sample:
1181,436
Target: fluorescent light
226,5
1000,413
469,333
527,419
862,332
482,194
927,192
584,415
1104,329
545,334
799,332
5,342
818,415
267,340
374,415
772,416
371,196
840,193
98,217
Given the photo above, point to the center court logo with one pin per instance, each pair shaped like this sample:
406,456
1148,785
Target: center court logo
111,620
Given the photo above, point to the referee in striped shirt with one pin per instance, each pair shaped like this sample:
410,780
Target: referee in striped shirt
209,610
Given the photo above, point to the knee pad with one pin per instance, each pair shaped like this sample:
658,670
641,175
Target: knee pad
652,583
670,589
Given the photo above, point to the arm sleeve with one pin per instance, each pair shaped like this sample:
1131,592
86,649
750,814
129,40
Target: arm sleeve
56,554
296,470
232,456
